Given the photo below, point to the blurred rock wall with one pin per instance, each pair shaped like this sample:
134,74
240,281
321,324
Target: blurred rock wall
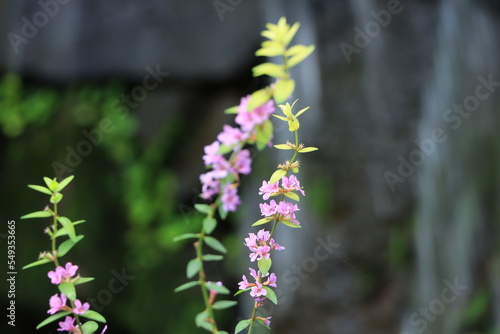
372,63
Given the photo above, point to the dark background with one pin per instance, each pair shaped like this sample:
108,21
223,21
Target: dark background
407,211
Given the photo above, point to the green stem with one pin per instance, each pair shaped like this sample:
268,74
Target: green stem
252,319
56,261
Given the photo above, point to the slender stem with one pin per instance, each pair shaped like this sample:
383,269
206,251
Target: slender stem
252,319
56,261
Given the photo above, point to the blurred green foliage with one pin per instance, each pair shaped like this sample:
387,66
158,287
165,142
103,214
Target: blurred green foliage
126,189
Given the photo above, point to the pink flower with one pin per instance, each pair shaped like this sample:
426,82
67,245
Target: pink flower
257,290
80,308
67,325
286,210
210,183
62,274
249,119
230,199
291,183
243,162
57,303
268,189
267,321
211,156
271,281
261,245
243,284
268,210
230,136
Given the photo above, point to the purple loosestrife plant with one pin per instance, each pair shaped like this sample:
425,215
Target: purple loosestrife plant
227,158
65,303
287,190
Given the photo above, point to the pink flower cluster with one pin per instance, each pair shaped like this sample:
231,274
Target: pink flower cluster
260,245
282,211
59,304
69,325
61,275
257,289
224,171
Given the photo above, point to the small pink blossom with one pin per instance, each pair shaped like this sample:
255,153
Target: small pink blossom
244,283
57,303
231,136
268,210
292,183
243,162
211,153
257,290
249,119
271,281
230,199
268,189
62,274
80,308
67,325
260,245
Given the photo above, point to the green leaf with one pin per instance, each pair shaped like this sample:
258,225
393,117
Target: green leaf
66,246
289,224
212,257
292,195
270,69
83,280
277,175
283,90
291,33
283,147
89,327
224,304
93,315
215,244
270,49
203,208
37,214
186,236
294,60
262,221
193,267
232,110
217,288
242,325
241,291
201,321
52,184
221,332
222,213
308,149
56,198
64,183
264,134
68,289
209,224
186,286
257,99
68,225
36,263
40,189
264,265
271,295
52,318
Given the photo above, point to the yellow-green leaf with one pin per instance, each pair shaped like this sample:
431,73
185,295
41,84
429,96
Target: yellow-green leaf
308,149
277,175
40,189
283,147
292,195
271,69
262,221
257,99
294,60
283,90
